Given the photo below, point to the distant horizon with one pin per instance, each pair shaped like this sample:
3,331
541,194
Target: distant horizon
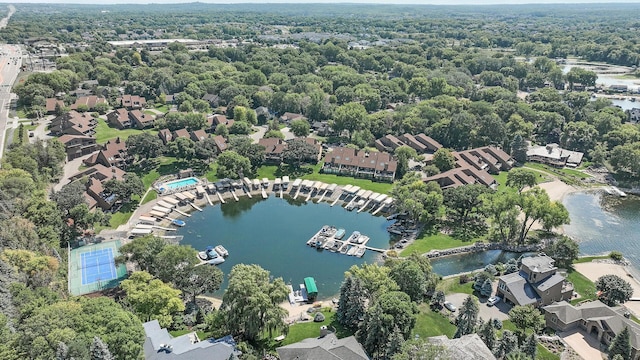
358,2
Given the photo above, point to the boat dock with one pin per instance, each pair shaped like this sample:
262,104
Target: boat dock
220,197
618,192
233,193
195,206
182,212
354,245
264,194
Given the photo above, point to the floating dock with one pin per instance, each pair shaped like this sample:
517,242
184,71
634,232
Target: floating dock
325,239
182,213
220,197
195,206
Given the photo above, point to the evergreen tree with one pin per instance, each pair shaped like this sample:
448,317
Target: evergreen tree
99,350
351,306
396,340
530,346
62,351
620,345
508,344
468,317
488,334
487,288
373,334
437,300
519,149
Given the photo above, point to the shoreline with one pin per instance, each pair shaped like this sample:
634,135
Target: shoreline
599,267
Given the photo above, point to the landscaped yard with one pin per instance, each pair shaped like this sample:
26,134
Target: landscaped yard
431,323
501,178
568,176
452,285
311,329
430,242
583,286
105,133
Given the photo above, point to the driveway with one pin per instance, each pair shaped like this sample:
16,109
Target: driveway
41,132
70,168
584,344
260,131
499,311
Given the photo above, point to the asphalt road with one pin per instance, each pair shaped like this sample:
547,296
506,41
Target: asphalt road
10,62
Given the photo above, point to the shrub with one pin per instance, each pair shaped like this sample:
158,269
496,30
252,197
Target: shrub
464,278
615,255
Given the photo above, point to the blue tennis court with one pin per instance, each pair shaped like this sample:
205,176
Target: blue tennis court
97,266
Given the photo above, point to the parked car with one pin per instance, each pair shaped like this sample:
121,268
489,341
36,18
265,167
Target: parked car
449,305
493,300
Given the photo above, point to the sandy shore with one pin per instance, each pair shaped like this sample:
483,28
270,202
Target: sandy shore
594,270
557,190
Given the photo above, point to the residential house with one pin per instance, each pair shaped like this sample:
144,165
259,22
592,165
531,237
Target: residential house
373,165
96,194
467,347
554,155
212,99
165,135
324,347
90,101
537,283
473,167
51,105
597,319
460,176
119,118
312,141
388,143
221,143
289,117
198,135
78,145
431,144
113,153
140,119
321,128
160,345
73,123
273,148
634,115
181,133
218,119
131,102
413,143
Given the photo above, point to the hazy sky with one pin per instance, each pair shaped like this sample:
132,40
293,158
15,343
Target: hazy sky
425,2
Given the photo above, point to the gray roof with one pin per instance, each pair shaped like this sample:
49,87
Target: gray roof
467,347
328,347
521,290
596,311
182,347
540,263
550,282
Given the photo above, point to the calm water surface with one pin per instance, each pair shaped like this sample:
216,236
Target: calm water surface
602,223
273,233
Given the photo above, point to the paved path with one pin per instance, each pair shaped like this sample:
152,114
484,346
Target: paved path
70,168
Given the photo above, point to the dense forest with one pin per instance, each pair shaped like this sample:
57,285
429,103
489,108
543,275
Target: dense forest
466,76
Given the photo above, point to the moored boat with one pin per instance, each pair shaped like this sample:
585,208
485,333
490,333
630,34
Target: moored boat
216,261
340,234
354,237
329,244
221,251
344,249
336,245
202,255
352,250
362,239
178,222
360,252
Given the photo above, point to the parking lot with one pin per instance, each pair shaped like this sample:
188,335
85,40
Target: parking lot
499,311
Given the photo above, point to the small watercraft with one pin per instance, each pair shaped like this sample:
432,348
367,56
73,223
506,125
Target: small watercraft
354,237
221,251
178,222
344,249
216,261
339,234
360,252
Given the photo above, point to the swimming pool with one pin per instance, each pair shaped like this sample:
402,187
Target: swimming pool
177,184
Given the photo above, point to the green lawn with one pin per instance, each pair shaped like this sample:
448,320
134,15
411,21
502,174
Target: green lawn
313,173
311,329
151,195
587,259
105,133
582,286
25,134
545,354
212,174
568,176
452,285
21,114
163,108
429,323
430,242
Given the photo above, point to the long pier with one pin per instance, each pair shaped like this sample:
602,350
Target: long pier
322,196
364,206
264,194
378,209
309,196
297,192
233,193
336,200
247,191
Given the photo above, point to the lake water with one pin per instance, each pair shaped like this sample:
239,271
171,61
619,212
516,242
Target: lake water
456,264
273,234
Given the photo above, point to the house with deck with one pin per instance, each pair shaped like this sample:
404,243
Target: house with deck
131,102
78,145
113,153
554,155
360,163
538,283
73,123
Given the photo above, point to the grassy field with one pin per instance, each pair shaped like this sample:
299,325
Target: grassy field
587,259
545,354
568,176
430,242
25,134
452,285
163,108
582,286
151,195
105,133
212,175
431,323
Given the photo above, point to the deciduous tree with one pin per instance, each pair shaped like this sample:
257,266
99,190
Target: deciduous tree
614,289
152,299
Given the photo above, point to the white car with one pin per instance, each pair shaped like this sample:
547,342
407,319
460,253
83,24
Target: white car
449,305
493,300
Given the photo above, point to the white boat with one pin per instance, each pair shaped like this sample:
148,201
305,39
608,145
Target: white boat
352,250
202,255
354,237
221,251
216,261
360,252
363,239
